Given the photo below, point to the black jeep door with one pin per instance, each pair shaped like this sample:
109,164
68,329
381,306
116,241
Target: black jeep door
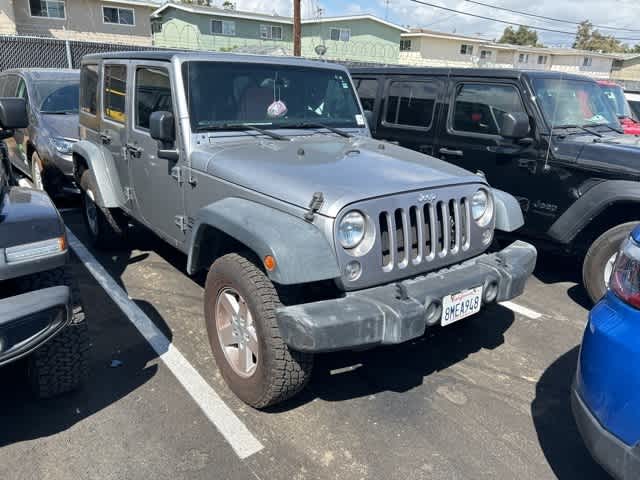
469,137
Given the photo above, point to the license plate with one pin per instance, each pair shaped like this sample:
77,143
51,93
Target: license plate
461,305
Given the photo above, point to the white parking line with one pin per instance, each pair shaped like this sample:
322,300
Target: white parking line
228,424
527,312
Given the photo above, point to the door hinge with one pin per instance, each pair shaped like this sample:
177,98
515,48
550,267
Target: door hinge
128,194
184,223
178,175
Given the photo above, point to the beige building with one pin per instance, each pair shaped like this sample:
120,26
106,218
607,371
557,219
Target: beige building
115,21
627,68
437,49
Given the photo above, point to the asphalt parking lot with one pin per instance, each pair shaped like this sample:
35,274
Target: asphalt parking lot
485,398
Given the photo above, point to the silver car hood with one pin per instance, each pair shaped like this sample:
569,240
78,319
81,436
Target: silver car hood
345,170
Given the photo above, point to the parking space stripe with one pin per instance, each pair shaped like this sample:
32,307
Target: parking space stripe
228,424
527,312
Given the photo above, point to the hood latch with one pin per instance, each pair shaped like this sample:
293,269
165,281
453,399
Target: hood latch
314,205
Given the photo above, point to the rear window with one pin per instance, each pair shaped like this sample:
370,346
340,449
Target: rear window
115,90
89,89
411,104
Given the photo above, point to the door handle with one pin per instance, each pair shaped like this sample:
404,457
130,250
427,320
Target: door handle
451,153
106,139
135,152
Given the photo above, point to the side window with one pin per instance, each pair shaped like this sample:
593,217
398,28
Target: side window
480,108
153,93
411,104
9,86
22,90
367,91
89,89
115,91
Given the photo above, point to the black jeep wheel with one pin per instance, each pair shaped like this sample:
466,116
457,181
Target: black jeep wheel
107,228
240,315
599,260
61,364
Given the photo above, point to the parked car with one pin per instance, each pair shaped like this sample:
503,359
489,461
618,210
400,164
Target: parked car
606,392
633,98
615,94
41,314
42,151
548,138
317,238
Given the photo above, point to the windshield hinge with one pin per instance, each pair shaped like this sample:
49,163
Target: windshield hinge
314,206
184,223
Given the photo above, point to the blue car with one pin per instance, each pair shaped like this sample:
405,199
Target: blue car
606,394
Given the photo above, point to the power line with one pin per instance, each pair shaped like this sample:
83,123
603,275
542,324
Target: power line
519,12
491,19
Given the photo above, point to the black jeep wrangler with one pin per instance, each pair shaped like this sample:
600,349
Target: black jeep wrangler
548,138
41,316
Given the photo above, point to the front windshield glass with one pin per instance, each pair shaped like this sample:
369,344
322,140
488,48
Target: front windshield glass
57,96
573,102
220,95
615,95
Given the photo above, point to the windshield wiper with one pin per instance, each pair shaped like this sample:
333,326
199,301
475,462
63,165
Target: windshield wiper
241,127
580,127
335,130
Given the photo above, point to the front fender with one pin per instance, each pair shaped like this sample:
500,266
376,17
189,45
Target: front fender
301,251
590,205
508,212
103,170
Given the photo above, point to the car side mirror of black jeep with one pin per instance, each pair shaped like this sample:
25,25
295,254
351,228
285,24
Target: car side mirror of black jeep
162,127
515,125
13,113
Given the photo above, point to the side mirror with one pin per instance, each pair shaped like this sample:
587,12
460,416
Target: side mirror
13,113
515,125
162,127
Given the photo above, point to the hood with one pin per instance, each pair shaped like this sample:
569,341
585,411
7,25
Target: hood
611,153
345,170
65,126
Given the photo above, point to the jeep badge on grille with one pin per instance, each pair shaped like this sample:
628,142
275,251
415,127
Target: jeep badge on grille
425,197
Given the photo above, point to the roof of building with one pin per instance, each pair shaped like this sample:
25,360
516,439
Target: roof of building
137,3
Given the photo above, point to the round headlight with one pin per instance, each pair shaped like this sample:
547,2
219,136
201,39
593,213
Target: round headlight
481,208
351,229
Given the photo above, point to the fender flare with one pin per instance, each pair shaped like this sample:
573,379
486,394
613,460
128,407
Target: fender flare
301,250
508,212
590,205
103,172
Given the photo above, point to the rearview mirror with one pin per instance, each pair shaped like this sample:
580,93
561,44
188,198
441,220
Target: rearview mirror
13,113
515,125
162,126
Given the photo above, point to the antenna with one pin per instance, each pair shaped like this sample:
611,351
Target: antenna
386,10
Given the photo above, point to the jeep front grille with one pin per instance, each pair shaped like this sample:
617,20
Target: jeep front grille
423,233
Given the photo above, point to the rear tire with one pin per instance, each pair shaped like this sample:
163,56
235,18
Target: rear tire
601,253
61,364
107,227
279,373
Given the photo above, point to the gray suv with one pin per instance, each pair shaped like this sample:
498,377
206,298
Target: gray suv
42,151
316,237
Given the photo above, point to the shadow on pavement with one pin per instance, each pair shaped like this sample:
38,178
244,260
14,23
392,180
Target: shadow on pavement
556,429
346,375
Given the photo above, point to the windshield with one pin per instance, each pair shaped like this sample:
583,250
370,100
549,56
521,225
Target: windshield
57,96
573,102
615,95
270,96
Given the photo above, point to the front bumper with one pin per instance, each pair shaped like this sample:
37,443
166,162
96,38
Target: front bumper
29,320
398,312
616,457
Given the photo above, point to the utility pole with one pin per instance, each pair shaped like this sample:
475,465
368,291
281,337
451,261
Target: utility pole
297,50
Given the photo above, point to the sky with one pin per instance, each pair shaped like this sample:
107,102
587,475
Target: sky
621,14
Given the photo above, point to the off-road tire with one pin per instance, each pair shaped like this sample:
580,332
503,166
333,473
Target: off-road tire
111,224
601,250
281,372
61,364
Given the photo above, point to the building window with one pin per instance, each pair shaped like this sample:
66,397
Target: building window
156,27
587,61
405,45
542,60
485,54
523,58
120,16
270,32
340,34
411,104
466,49
47,8
223,27
115,92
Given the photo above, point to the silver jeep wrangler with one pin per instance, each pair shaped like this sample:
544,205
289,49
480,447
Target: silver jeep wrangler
316,237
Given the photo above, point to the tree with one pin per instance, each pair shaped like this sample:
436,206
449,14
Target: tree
521,36
588,38
227,5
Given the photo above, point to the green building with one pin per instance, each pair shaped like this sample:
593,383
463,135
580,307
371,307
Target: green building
362,38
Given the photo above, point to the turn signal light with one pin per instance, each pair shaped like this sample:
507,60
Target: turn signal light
269,263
